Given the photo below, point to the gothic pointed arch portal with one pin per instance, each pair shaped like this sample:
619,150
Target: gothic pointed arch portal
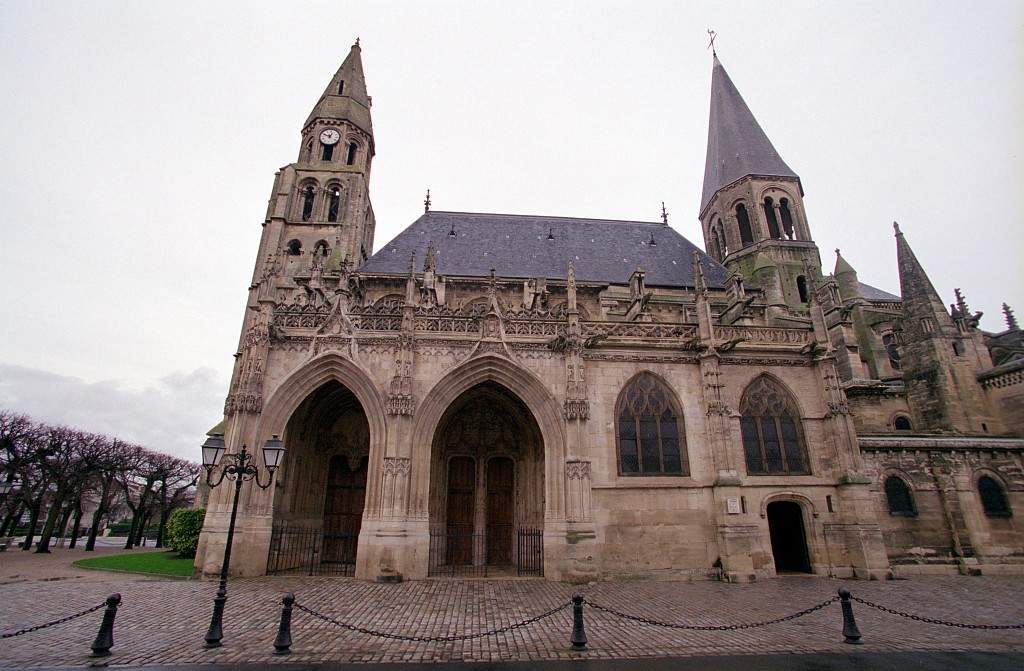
319,510
486,504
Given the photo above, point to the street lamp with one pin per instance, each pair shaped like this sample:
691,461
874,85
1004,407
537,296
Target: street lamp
240,468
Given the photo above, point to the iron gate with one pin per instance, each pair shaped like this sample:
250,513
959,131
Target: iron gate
458,552
303,551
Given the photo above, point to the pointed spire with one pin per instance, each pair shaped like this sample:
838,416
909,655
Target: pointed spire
737,146
570,288
922,307
345,96
961,303
699,283
1011,320
410,281
430,263
842,265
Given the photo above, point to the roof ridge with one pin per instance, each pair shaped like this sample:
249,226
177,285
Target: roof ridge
545,216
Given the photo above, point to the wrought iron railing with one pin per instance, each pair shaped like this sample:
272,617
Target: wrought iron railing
461,552
305,551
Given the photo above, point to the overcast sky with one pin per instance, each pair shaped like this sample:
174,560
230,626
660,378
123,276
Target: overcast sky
139,143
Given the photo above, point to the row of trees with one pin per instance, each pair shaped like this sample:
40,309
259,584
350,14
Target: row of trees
65,472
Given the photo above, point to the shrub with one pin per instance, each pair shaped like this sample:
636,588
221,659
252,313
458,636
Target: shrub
183,530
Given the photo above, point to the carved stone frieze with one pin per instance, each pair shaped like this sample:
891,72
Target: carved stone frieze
577,408
243,402
763,361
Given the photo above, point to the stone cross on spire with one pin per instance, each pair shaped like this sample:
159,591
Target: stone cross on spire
426,203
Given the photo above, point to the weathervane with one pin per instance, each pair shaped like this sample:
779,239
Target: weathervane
664,214
711,45
426,202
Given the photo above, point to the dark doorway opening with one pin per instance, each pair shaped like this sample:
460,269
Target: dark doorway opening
461,509
789,541
500,510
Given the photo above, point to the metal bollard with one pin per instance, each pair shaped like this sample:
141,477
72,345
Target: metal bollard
579,634
105,637
284,631
851,634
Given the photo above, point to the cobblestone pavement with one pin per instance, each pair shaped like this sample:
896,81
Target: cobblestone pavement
163,621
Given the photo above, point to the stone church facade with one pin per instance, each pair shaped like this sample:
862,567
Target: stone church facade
587,399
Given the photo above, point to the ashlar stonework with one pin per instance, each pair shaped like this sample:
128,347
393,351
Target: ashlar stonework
590,399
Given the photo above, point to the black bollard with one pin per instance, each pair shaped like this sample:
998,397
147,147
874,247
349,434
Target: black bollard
284,631
851,634
579,634
105,637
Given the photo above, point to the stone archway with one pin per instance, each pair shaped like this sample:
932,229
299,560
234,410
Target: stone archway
486,504
319,509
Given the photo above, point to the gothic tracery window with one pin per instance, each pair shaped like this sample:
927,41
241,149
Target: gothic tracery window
993,497
773,439
898,497
651,438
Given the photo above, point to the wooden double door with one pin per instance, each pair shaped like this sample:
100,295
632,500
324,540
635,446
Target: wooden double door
488,538
343,510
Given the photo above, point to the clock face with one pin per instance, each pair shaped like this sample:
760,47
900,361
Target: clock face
330,136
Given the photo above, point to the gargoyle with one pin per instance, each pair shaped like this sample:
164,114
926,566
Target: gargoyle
730,344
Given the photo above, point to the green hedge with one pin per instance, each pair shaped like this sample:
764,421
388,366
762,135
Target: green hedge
183,530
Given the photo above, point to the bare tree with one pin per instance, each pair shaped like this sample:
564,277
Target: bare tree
177,477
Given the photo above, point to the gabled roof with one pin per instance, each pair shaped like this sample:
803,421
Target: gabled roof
875,294
602,250
737,146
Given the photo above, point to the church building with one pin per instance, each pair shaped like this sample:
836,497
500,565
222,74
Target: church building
590,399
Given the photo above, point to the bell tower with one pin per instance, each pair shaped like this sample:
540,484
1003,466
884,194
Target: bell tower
320,211
752,208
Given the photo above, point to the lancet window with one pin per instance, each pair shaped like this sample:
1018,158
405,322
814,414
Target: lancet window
773,440
333,203
773,222
993,497
308,198
743,221
651,439
898,497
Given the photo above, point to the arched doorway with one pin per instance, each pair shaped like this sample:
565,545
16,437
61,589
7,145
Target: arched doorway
486,487
319,508
789,539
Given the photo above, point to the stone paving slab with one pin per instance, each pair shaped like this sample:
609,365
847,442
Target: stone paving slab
163,621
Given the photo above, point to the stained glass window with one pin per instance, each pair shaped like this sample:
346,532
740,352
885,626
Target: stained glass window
650,430
773,442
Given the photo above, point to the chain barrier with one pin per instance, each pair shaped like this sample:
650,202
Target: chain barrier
29,630
921,618
710,627
432,639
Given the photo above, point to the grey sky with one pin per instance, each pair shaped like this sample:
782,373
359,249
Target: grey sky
140,141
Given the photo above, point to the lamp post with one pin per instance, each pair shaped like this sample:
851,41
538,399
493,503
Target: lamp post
240,469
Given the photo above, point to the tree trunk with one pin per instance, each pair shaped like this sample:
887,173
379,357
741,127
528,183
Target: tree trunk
33,520
62,526
130,543
77,524
56,506
10,522
97,517
141,538
161,532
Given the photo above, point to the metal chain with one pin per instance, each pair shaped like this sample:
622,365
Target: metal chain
29,630
711,627
432,639
921,618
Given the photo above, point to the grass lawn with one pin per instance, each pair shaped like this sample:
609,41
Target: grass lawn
162,562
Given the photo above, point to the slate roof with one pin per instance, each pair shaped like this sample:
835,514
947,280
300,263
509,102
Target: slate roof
519,246
875,294
737,146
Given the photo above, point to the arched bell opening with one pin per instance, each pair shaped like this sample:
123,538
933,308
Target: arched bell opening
486,501
319,510
788,537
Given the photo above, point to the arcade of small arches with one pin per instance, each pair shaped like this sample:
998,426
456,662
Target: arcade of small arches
780,223
316,207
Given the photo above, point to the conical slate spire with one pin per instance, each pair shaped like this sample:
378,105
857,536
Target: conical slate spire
920,300
737,146
345,96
